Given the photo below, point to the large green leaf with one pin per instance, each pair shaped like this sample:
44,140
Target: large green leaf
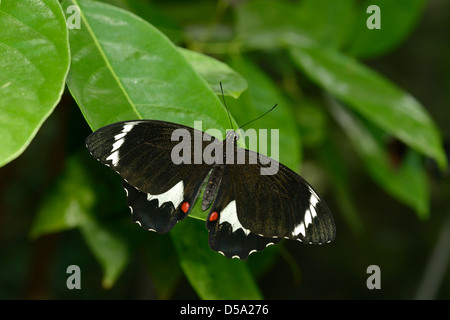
371,95
34,61
123,68
211,275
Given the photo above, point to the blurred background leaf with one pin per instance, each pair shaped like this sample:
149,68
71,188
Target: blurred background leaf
113,246
67,204
372,96
406,181
367,44
329,23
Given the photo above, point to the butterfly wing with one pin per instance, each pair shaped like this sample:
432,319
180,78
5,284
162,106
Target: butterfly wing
157,186
256,210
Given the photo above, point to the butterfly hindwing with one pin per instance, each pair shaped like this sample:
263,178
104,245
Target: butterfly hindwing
148,213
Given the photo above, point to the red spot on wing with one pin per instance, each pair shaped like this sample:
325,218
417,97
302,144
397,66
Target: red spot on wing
213,216
185,207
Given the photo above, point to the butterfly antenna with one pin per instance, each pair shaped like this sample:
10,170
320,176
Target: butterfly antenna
228,111
259,116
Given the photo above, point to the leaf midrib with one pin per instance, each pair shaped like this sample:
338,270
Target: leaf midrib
106,60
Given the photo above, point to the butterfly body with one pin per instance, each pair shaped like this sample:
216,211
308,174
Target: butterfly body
248,210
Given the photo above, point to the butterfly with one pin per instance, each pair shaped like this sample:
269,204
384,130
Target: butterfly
248,210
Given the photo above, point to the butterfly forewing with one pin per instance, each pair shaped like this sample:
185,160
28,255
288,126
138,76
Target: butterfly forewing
283,205
159,192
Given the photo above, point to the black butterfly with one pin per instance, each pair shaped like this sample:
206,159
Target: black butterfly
249,211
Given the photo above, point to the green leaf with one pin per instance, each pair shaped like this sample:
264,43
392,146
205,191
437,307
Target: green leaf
408,183
397,18
214,72
211,275
68,203
371,95
34,61
123,68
